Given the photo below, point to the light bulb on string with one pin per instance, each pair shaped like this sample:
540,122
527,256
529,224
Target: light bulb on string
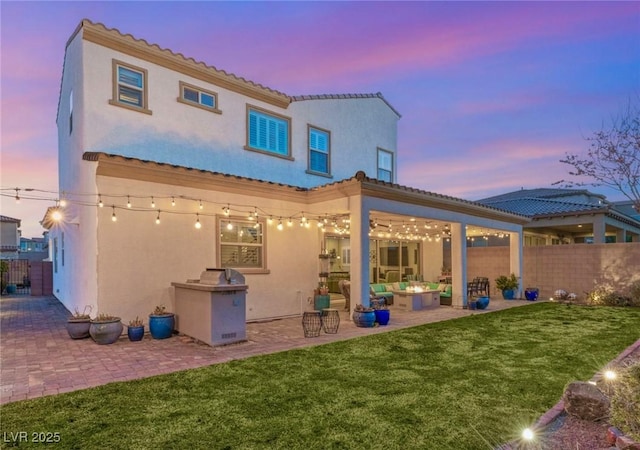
113,214
63,202
128,202
289,222
158,218
198,225
100,204
270,221
153,203
226,210
173,201
229,226
201,205
17,196
280,227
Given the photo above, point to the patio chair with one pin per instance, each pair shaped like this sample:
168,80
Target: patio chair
345,290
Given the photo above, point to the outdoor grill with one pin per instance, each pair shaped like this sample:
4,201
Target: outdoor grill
212,309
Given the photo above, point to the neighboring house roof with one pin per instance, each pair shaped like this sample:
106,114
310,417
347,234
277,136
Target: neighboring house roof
140,48
543,203
9,219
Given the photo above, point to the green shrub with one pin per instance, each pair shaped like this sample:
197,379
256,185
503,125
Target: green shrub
625,403
605,296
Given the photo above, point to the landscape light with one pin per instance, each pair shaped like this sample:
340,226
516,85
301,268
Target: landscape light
527,434
609,375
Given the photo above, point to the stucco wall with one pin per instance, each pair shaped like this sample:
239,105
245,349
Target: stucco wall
181,134
138,259
575,268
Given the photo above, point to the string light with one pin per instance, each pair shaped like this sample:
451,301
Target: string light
100,204
198,224
158,218
201,205
153,203
270,221
113,214
289,222
63,203
17,196
226,210
229,226
173,201
280,227
128,202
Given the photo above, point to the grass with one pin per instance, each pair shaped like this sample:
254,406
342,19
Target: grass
469,383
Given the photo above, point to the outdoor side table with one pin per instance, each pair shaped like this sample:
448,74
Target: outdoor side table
330,320
311,323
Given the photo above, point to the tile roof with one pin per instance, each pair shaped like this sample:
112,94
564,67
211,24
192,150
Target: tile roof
299,98
538,193
532,207
9,219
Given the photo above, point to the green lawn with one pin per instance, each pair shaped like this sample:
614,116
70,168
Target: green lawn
469,383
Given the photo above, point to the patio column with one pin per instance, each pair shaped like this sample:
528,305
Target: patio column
359,268
599,230
459,265
621,236
515,258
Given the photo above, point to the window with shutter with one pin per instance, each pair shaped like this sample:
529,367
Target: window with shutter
268,132
319,151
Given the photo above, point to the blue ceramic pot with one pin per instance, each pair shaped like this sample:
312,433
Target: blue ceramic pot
473,304
483,302
509,294
531,294
161,327
364,319
135,333
382,316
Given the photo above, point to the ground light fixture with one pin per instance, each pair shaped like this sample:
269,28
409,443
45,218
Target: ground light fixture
609,375
528,434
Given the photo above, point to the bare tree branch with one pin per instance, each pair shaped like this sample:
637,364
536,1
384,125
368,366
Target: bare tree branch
613,157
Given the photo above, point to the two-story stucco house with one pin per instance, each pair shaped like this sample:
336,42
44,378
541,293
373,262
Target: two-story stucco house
168,166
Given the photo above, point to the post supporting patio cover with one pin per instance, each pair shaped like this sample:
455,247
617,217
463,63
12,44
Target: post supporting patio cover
515,259
459,264
359,271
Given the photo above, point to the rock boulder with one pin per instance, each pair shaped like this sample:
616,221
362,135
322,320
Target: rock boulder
585,401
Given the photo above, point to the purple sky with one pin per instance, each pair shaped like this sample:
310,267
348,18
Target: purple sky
492,95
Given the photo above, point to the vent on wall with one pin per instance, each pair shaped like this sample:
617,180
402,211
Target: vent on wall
228,335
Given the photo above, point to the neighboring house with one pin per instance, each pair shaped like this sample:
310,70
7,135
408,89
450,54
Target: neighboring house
168,166
35,249
569,216
9,238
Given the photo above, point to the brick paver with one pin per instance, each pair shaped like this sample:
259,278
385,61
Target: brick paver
38,358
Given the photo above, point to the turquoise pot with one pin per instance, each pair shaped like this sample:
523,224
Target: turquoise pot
482,302
364,319
508,294
161,327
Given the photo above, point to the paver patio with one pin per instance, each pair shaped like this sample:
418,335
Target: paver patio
38,358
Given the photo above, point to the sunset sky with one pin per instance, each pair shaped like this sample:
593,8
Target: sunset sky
492,95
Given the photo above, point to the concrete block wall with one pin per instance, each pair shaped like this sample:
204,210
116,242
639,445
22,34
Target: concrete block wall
576,268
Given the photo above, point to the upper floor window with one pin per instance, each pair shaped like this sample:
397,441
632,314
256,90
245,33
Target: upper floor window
268,132
130,87
201,98
319,151
385,165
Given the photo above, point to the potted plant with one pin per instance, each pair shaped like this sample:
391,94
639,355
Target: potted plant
78,324
482,302
507,285
105,329
135,329
473,303
161,323
382,313
363,316
531,293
